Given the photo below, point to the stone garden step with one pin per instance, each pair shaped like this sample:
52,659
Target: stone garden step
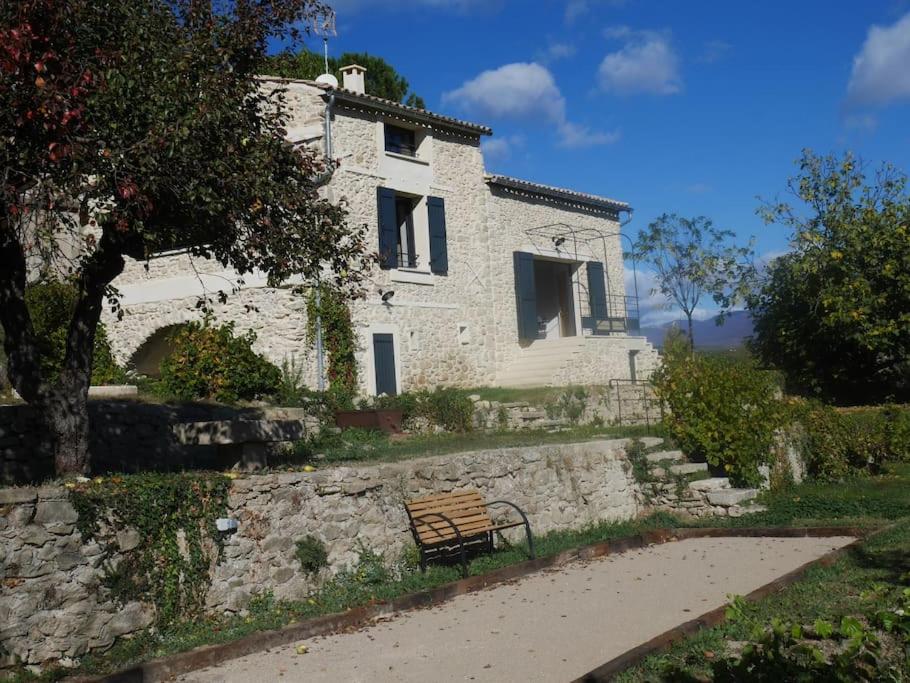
651,441
710,484
658,456
689,468
730,497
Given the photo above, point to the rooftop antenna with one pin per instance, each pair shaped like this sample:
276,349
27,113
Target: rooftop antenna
324,27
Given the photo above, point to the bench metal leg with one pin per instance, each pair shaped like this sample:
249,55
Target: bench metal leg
524,519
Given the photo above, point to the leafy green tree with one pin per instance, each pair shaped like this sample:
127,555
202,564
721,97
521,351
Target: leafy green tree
833,314
693,260
381,78
131,124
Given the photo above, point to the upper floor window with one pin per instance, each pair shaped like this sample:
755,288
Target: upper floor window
400,140
404,214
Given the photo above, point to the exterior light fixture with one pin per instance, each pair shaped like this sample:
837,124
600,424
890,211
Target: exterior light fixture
558,241
386,296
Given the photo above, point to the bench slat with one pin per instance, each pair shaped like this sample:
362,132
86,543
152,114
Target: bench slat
453,509
474,499
444,496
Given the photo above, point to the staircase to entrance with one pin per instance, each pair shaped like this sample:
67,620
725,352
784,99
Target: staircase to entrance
540,362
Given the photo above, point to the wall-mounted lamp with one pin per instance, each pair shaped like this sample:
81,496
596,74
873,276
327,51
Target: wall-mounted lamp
386,296
558,241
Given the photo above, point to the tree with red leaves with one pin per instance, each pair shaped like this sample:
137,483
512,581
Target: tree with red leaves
129,125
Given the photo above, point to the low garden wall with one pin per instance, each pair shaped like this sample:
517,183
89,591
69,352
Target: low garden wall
55,602
125,436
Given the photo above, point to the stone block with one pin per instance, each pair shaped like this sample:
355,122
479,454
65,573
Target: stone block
711,484
729,497
660,456
17,496
689,468
48,511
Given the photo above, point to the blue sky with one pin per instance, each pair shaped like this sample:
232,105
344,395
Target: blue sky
695,107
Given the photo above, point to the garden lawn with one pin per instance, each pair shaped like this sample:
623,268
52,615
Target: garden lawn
360,445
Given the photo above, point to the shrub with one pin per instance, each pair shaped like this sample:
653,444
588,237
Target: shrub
842,443
311,554
448,408
723,412
210,362
50,305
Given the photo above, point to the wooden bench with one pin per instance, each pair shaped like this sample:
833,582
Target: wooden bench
459,520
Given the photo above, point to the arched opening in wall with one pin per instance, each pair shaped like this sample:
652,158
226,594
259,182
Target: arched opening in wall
146,360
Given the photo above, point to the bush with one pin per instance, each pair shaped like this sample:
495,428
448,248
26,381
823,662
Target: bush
723,412
210,362
450,409
311,554
50,305
842,443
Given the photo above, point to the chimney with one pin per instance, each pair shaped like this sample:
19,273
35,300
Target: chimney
353,76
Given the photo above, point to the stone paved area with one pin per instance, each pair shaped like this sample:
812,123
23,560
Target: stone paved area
553,626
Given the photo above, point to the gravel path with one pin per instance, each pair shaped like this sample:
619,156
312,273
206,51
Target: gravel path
551,626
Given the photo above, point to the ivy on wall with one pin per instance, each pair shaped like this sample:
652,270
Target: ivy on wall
338,339
163,528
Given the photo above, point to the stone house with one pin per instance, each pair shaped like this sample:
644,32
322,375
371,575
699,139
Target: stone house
484,279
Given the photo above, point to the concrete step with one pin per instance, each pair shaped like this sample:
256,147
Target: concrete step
748,510
660,456
731,497
711,484
651,441
689,468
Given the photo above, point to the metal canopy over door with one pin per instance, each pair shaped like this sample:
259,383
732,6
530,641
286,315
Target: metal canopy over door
384,361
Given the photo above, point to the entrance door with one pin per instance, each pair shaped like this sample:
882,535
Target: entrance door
384,361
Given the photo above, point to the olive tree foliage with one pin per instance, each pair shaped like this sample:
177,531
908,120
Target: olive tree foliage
129,125
381,80
692,261
833,313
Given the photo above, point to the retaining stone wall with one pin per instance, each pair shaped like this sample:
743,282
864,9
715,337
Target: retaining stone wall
125,436
52,607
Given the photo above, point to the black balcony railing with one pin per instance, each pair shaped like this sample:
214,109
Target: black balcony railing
619,315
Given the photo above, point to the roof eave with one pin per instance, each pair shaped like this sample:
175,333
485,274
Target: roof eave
569,196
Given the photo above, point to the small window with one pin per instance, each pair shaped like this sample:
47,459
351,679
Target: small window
404,215
400,140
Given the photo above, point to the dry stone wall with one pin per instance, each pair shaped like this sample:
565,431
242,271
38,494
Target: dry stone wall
53,607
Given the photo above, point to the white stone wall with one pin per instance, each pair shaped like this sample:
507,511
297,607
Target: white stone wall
457,329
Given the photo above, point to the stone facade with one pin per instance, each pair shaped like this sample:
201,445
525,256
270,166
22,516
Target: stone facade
53,608
454,329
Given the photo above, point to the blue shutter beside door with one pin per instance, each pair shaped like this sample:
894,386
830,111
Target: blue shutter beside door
597,293
384,360
525,295
439,253
388,228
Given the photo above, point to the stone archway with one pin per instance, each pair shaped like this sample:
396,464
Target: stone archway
146,359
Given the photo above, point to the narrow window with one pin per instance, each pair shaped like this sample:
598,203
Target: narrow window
400,140
404,214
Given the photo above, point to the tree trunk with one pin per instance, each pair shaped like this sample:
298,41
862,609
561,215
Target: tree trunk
63,406
691,334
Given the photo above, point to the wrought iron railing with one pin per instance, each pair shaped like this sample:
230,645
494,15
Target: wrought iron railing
620,314
635,403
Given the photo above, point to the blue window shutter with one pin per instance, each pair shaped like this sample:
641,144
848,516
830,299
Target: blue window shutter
597,293
525,295
388,229
439,252
384,360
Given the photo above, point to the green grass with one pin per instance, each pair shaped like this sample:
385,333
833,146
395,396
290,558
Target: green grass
537,396
358,445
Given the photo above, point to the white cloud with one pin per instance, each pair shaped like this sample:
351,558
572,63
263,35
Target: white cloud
713,51
575,9
528,92
574,135
646,63
499,149
880,71
653,308
556,51
866,123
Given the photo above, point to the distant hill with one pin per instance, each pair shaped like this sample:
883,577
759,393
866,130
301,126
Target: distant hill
708,335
